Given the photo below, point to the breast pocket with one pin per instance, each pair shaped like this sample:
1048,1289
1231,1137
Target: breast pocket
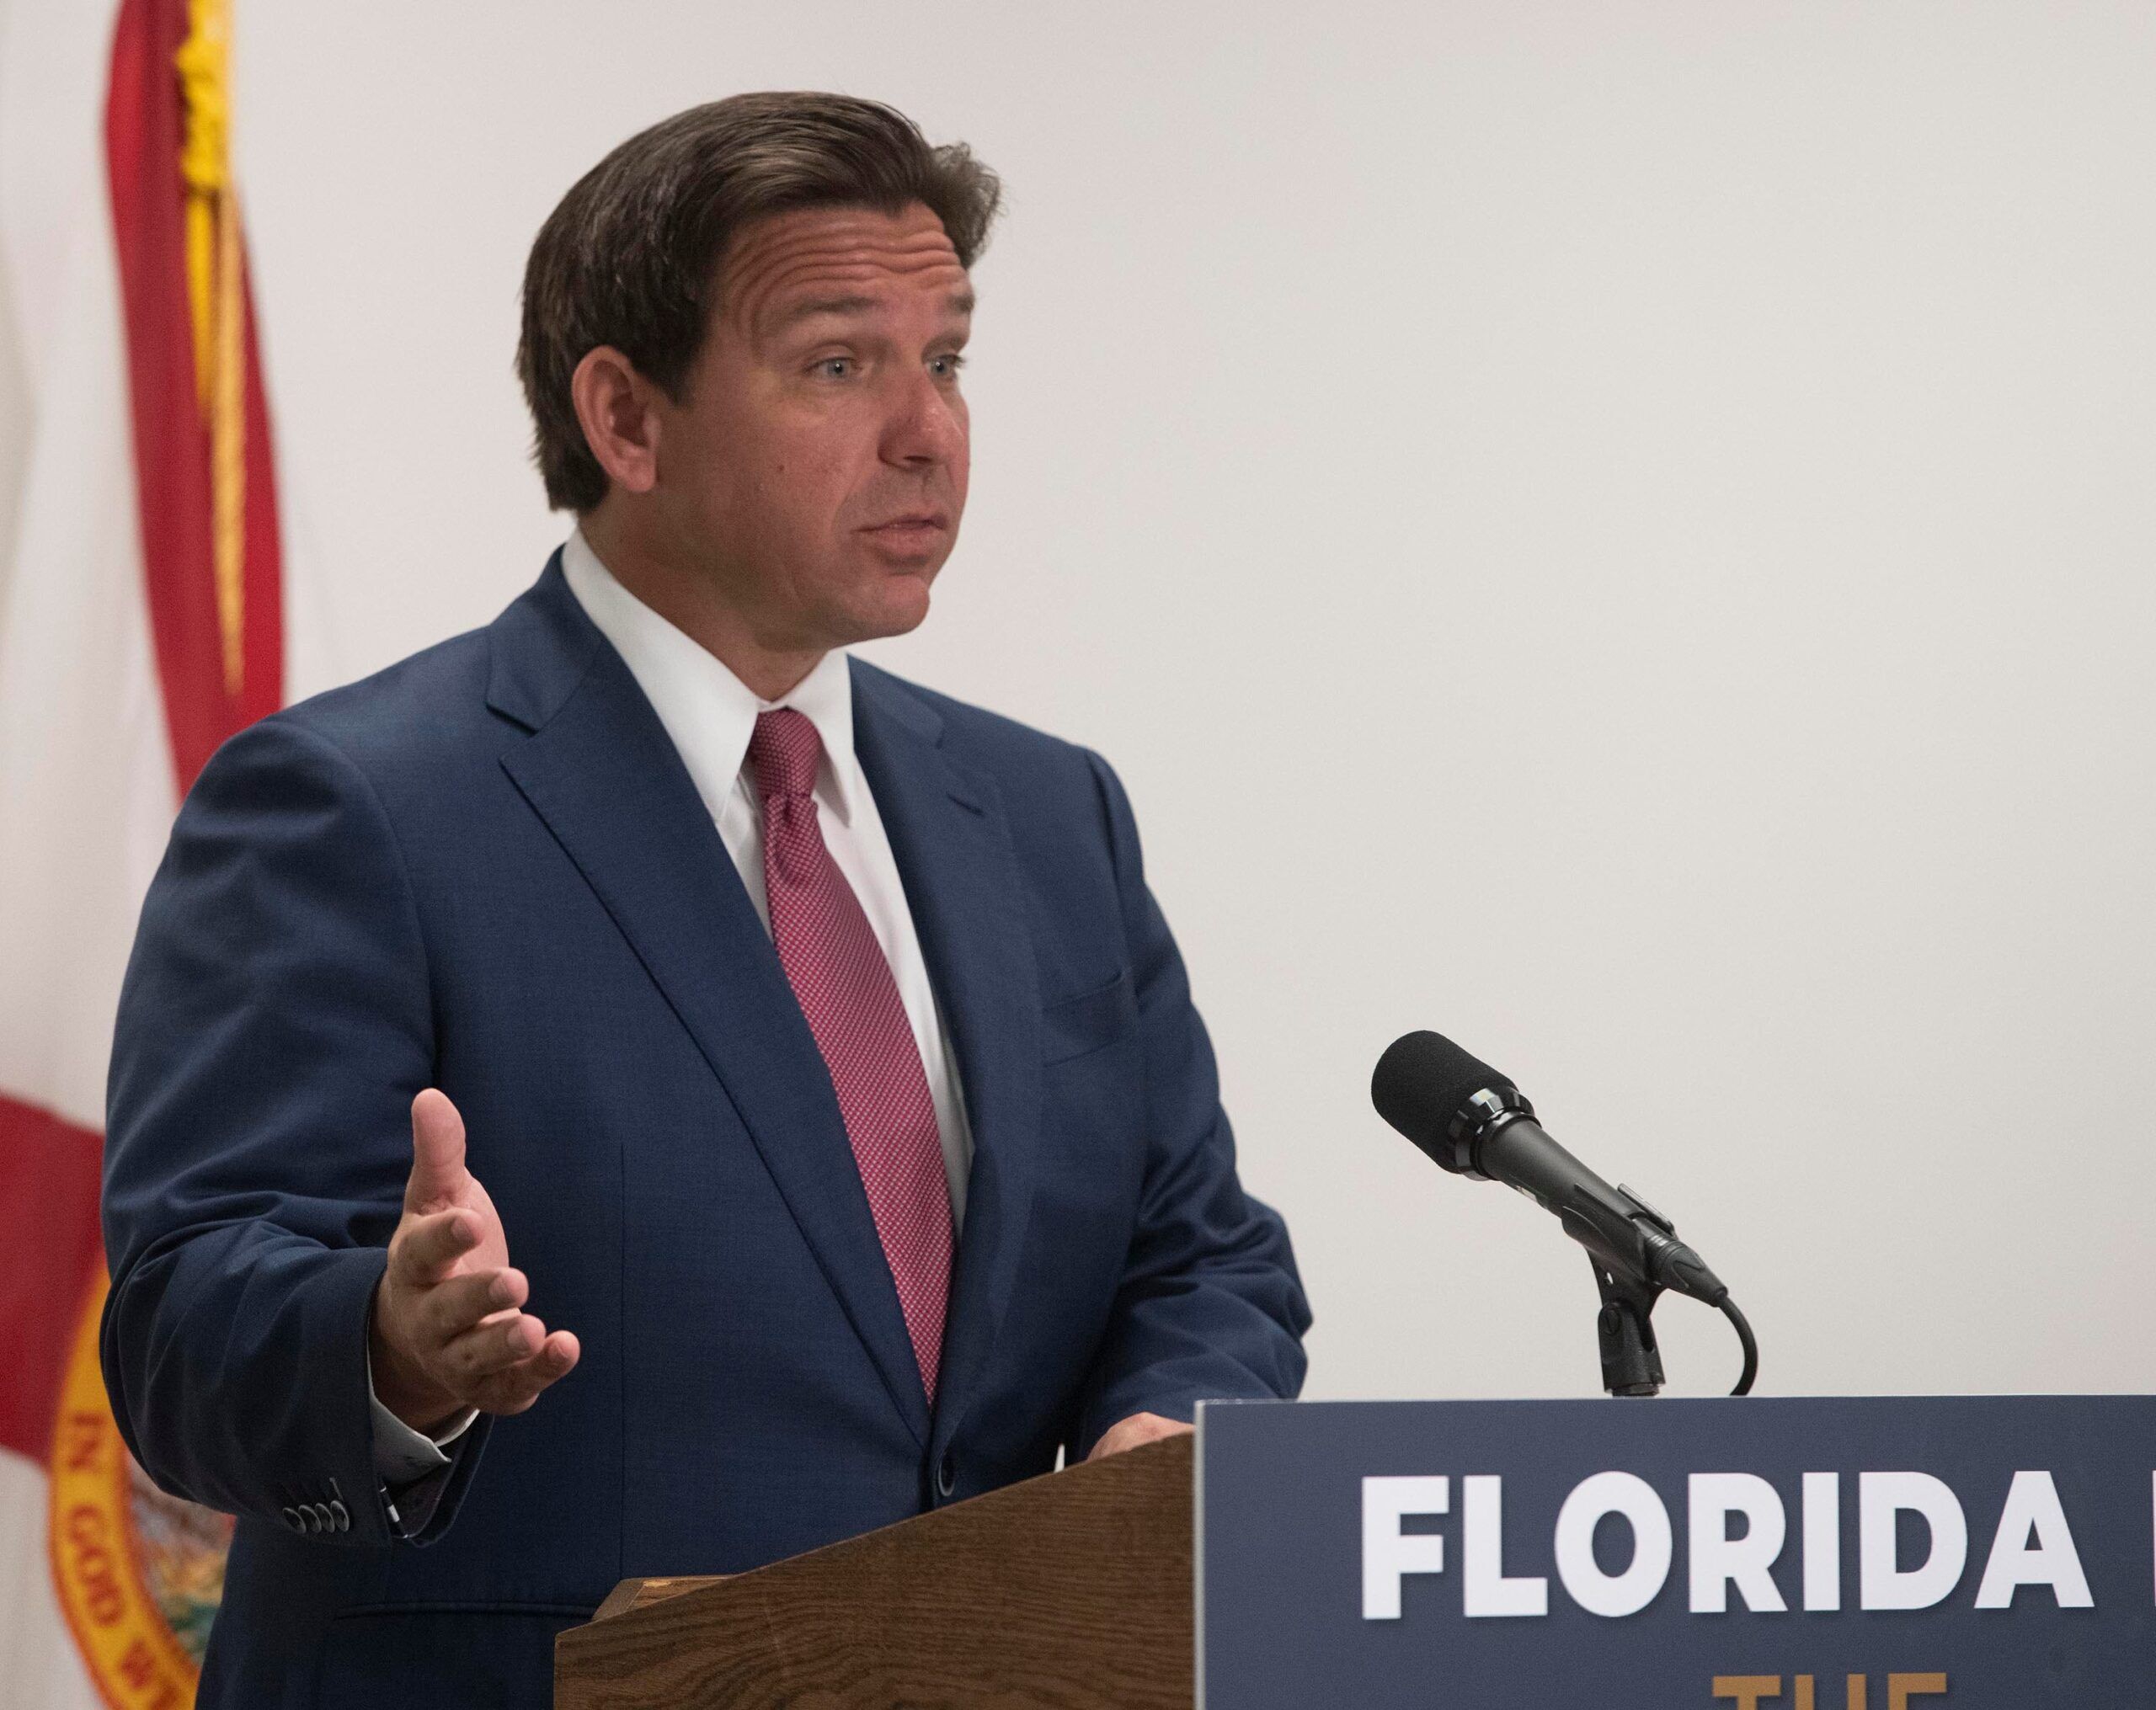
1091,1021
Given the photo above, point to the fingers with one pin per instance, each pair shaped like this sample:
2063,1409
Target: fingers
437,1151
450,1308
1134,1432
426,1247
515,1389
514,1386
492,1346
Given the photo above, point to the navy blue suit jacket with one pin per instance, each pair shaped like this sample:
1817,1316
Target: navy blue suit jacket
487,870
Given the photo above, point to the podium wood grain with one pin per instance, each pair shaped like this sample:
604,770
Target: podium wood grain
1068,1592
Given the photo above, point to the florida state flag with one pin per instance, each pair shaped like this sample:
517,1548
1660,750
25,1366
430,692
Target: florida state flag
140,625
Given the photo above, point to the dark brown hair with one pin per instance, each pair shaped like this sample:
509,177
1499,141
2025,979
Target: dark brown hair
630,256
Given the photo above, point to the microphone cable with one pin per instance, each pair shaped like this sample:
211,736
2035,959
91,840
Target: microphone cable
1729,1310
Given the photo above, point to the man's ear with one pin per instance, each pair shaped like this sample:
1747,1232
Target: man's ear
614,403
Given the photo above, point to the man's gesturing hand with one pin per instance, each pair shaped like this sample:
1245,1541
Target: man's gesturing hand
448,1331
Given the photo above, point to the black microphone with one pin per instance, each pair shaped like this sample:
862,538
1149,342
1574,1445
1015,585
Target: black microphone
1475,1122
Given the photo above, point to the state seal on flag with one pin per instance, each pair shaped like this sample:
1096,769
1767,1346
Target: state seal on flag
139,1573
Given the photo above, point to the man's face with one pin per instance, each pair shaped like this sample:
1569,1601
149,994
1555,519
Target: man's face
817,464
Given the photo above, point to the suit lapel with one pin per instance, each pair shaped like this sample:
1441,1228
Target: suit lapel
601,771
952,846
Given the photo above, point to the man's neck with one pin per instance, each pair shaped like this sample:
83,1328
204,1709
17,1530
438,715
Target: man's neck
693,604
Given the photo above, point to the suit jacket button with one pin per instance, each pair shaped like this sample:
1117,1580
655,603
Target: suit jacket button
292,1519
947,1475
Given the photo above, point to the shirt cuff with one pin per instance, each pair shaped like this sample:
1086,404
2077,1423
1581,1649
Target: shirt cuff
402,1454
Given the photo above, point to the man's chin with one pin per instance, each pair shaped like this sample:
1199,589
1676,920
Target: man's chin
900,605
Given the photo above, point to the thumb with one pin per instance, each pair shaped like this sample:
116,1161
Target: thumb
437,1151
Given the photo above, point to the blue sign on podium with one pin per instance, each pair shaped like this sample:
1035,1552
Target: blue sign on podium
1966,1553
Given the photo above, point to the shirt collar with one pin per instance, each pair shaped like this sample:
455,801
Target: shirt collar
708,712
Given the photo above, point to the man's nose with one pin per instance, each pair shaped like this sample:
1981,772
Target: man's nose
924,426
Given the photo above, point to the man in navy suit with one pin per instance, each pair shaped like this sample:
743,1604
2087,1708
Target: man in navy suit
804,1045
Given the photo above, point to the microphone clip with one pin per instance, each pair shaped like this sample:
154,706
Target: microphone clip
1623,1331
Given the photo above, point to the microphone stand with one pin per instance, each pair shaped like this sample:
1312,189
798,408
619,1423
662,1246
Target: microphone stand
1631,1362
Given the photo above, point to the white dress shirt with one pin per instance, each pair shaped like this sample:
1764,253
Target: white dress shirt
709,714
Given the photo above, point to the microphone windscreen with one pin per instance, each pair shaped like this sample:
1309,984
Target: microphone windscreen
1422,1081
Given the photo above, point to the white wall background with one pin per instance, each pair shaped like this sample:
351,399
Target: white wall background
1620,532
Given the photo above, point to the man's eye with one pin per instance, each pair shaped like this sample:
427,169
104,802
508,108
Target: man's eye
829,365
946,366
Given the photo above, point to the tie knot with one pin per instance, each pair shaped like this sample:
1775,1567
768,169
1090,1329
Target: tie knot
783,749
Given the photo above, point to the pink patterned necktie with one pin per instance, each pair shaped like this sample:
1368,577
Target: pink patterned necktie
837,970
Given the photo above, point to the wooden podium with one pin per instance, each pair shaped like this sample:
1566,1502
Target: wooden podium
1068,1592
